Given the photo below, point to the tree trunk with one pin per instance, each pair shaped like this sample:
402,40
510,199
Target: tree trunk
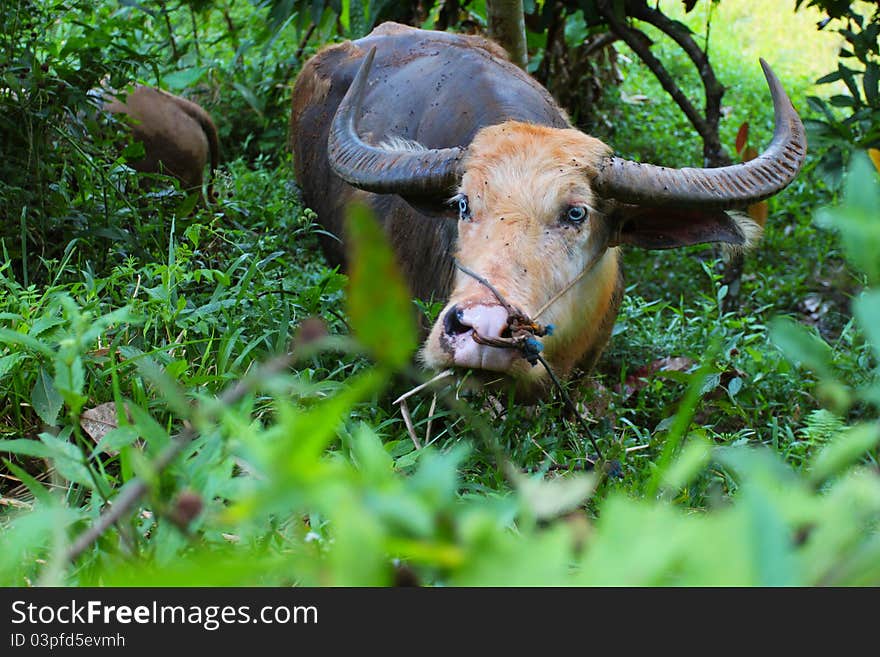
507,26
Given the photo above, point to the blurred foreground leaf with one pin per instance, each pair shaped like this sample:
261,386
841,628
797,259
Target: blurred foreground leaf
379,302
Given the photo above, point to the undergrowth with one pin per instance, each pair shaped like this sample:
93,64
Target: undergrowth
747,443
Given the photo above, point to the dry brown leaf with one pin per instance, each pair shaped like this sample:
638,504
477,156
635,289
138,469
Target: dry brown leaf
742,137
759,212
750,153
874,154
99,421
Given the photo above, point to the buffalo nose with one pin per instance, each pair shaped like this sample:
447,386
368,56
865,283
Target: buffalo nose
461,321
454,323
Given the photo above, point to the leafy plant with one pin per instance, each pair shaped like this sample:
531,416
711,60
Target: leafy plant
207,387
859,99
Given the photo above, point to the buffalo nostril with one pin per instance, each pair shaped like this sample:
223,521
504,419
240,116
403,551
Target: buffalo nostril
453,323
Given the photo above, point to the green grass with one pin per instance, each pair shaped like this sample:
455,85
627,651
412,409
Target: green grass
311,477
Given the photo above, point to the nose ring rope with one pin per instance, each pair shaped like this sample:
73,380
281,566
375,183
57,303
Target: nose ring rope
524,334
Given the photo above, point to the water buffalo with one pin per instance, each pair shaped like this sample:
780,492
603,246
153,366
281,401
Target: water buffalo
464,157
179,136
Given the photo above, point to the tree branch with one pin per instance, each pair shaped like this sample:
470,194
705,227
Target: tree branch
602,41
304,41
713,152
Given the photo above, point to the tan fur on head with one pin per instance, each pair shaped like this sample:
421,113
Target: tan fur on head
519,179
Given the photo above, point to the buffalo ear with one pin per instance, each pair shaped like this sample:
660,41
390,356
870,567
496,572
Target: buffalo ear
667,228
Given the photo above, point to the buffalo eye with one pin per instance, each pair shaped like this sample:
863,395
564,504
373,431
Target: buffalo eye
464,210
575,214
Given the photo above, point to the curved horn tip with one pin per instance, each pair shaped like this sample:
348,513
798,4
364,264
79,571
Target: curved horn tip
768,72
724,187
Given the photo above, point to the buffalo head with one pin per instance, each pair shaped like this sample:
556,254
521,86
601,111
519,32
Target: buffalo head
541,212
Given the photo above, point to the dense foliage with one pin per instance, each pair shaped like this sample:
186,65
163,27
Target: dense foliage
140,337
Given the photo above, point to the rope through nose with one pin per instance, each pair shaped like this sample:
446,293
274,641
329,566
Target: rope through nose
524,337
524,332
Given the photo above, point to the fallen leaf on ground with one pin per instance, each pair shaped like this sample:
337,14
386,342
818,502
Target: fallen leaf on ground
97,422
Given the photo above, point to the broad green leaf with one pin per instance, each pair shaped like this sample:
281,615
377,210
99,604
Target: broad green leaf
870,82
70,380
373,461
291,455
735,385
436,479
842,544
169,390
357,554
43,324
116,439
186,206
247,565
67,458
153,433
711,382
830,168
100,325
134,151
536,559
856,217
378,299
636,543
801,345
834,76
553,497
8,336
250,97
45,398
25,447
28,537
185,79
843,450
867,311
400,512
751,464
8,362
769,538
694,456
